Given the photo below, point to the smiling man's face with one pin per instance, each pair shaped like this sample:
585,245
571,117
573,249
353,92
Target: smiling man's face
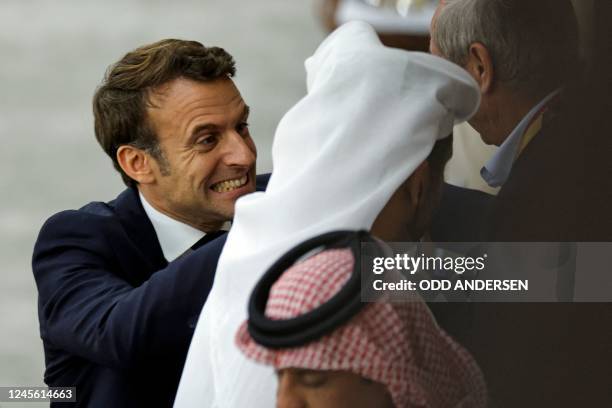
207,155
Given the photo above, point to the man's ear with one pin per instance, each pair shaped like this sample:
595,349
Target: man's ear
480,66
417,185
136,163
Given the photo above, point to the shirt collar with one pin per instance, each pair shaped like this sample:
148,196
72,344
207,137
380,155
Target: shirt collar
497,170
174,236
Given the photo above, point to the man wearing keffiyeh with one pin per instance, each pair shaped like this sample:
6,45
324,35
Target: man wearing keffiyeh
390,354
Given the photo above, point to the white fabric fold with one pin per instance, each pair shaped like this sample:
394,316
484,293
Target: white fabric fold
371,115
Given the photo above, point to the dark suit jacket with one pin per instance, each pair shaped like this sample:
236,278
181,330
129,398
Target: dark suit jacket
461,215
116,319
536,203
544,354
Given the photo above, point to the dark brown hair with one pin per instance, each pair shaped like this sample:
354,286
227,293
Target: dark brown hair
120,102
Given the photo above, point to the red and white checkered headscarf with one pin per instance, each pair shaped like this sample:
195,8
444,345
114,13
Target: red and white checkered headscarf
396,344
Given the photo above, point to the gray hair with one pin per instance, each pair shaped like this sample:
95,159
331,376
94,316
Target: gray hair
533,43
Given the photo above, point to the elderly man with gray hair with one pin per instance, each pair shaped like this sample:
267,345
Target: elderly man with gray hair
524,55
521,53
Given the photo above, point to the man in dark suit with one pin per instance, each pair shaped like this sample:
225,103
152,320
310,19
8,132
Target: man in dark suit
523,55
121,284
522,65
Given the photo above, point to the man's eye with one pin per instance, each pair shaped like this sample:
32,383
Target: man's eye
207,140
313,378
243,128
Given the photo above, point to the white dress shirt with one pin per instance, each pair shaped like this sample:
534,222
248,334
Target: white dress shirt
174,237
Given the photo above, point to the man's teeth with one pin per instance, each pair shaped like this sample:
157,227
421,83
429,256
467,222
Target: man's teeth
229,185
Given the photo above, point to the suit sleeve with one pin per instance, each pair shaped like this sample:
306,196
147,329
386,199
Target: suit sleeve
86,309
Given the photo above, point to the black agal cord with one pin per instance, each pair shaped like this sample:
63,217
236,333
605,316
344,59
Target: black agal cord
323,319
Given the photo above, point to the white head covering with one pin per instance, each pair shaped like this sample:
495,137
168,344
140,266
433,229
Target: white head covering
371,116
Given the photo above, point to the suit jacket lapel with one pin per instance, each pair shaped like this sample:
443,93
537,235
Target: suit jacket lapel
139,229
146,254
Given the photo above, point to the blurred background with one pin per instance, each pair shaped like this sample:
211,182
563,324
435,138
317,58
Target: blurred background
53,55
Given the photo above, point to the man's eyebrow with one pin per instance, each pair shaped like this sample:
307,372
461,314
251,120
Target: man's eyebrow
204,126
211,126
199,129
304,371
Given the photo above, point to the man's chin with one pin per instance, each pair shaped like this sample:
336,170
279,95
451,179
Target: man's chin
226,208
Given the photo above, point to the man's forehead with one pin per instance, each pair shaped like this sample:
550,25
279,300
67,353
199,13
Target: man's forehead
183,106
157,95
218,90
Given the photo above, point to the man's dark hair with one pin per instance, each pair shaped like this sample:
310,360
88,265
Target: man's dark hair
120,102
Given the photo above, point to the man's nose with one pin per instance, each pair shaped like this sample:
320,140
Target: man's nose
239,150
287,396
